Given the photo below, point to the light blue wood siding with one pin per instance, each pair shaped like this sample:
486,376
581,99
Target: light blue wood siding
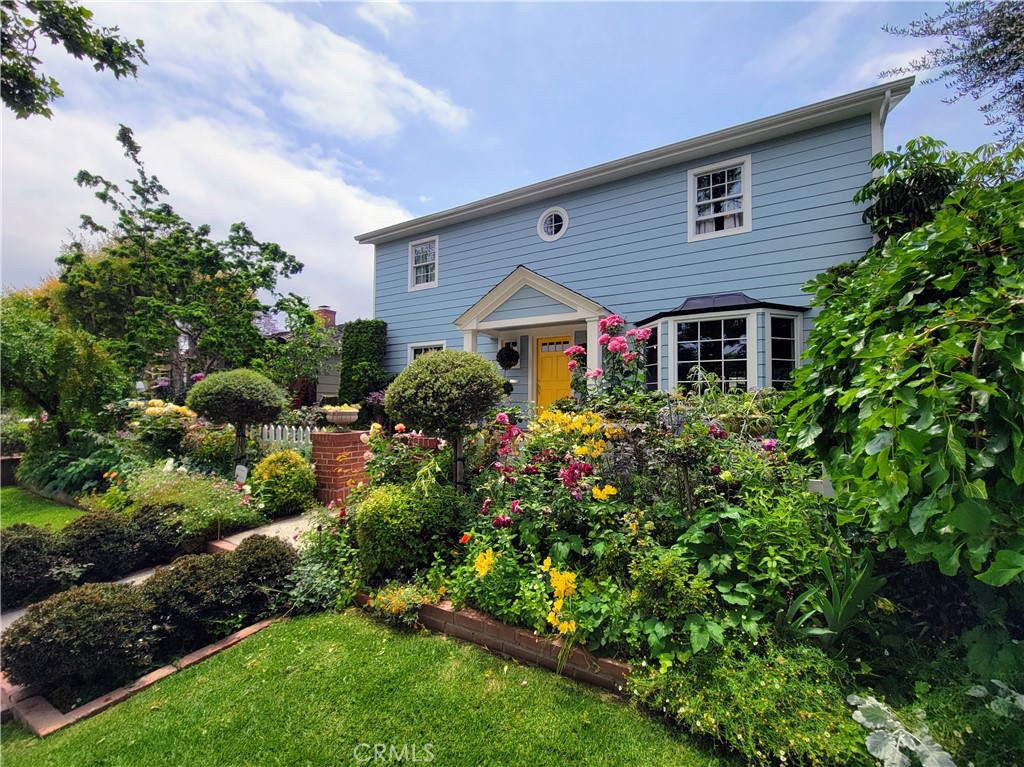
626,246
527,302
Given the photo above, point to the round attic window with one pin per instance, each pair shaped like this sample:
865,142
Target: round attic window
552,224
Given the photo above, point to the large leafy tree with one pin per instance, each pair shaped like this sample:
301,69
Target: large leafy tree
27,90
162,291
981,56
914,393
49,366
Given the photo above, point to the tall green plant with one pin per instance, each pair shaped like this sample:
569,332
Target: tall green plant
914,393
362,370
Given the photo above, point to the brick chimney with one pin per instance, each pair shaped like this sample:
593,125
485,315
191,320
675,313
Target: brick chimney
327,314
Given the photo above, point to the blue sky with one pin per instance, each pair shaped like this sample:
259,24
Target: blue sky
316,122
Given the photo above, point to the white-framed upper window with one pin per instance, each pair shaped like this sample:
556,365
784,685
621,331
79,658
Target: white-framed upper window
552,224
721,344
423,264
424,347
719,198
514,343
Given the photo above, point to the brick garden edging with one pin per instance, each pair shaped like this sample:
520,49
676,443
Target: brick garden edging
521,644
42,718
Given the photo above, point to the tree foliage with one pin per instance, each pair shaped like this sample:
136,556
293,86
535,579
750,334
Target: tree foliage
302,354
65,372
27,90
914,393
163,291
982,56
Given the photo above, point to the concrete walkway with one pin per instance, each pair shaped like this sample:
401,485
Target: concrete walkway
287,529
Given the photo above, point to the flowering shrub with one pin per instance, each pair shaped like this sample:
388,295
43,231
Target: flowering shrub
284,484
399,603
622,373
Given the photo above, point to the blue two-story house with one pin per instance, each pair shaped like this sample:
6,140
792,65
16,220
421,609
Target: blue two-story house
707,242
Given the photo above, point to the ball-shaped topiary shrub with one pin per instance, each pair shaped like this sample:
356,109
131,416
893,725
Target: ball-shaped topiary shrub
27,556
237,397
443,392
82,642
284,483
104,542
399,528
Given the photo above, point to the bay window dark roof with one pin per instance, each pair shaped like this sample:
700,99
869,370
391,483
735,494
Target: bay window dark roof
719,302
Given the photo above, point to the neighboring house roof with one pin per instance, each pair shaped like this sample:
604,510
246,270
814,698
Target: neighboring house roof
721,302
876,100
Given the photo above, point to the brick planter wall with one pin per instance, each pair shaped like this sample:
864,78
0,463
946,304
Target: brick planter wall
521,644
338,456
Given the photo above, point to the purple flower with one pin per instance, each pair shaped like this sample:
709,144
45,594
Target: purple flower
716,470
502,521
161,382
486,508
197,377
516,507
375,399
770,444
502,418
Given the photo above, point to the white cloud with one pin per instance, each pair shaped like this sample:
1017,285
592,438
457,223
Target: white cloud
262,58
424,198
794,48
383,13
216,174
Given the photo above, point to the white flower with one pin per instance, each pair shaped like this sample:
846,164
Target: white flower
182,470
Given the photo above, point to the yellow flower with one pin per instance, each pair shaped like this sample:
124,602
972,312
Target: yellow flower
546,564
484,563
155,403
558,605
604,494
153,411
552,618
564,584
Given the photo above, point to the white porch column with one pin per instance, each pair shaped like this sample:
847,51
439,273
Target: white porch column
469,340
593,348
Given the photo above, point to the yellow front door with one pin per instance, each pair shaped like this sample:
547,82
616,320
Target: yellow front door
552,370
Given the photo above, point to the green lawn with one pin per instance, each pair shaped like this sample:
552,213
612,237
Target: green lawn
309,691
18,506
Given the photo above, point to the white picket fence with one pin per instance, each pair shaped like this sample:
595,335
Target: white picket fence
276,433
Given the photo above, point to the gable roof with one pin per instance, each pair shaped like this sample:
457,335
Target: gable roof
476,317
877,100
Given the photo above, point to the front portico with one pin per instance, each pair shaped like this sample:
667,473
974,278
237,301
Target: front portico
542,318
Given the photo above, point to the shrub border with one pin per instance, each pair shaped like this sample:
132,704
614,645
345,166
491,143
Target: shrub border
42,718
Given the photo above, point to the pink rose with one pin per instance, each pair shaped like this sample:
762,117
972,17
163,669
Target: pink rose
605,338
502,418
629,356
594,373
631,332
573,364
618,344
643,334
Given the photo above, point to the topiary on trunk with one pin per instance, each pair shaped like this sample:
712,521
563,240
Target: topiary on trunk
442,393
237,397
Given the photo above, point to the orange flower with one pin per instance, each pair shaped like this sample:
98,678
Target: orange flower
465,538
